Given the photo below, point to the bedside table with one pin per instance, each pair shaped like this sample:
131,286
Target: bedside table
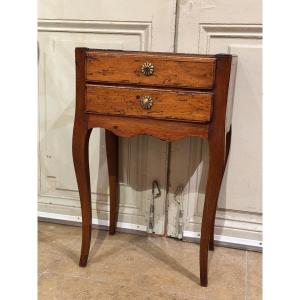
165,95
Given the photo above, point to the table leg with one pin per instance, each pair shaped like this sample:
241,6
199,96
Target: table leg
112,162
228,143
80,149
215,174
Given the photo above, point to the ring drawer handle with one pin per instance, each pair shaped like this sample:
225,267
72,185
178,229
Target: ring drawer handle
147,68
146,102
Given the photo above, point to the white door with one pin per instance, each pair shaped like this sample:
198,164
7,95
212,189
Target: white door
107,24
216,26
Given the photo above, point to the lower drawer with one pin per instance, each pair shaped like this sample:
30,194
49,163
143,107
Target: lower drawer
146,102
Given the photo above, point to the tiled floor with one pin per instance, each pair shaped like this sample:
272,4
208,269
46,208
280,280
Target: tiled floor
126,266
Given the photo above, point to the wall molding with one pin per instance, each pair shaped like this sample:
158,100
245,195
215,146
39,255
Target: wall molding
141,29
209,31
231,219
97,205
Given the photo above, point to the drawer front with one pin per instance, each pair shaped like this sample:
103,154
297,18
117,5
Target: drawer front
146,102
151,69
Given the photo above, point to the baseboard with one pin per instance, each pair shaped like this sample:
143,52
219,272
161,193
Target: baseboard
67,219
227,241
191,236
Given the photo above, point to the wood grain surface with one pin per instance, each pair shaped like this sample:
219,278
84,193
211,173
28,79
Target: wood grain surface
169,70
167,104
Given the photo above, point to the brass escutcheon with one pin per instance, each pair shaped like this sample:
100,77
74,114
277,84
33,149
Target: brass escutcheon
146,102
147,68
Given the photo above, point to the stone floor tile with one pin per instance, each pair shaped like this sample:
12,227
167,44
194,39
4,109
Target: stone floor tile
126,266
254,276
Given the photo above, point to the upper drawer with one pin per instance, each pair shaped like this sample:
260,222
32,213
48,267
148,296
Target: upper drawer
156,69
149,103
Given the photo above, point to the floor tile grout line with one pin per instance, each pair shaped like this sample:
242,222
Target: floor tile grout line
246,275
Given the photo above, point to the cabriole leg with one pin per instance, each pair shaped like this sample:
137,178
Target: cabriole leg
228,143
112,162
215,174
81,137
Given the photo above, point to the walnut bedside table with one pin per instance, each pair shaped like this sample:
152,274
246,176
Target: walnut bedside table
165,95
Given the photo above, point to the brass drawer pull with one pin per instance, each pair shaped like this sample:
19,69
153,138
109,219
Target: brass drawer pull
147,68
146,102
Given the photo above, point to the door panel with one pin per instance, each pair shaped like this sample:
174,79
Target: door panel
234,27
64,25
